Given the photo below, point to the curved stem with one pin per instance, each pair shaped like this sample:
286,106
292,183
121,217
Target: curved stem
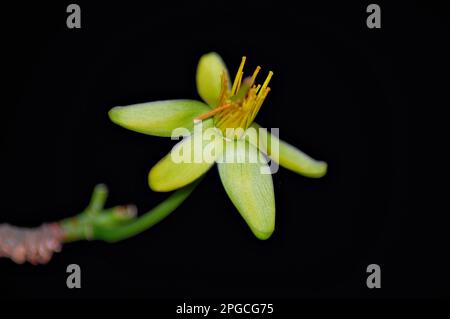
118,223
37,245
148,219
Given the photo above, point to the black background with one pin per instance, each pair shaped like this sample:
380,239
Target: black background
341,93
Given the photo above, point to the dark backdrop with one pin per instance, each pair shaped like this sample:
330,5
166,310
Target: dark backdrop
340,93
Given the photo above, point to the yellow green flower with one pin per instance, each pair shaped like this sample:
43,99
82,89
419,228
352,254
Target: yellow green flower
226,106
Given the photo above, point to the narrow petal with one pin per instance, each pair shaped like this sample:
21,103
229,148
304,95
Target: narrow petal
189,159
289,156
209,74
249,190
158,118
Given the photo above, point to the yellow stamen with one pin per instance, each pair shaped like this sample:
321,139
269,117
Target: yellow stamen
255,73
212,112
266,83
224,89
238,108
238,75
240,81
258,103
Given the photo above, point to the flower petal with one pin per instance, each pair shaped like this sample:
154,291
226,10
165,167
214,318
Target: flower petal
188,160
249,190
209,74
289,156
158,118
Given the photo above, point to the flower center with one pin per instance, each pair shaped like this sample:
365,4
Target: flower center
237,108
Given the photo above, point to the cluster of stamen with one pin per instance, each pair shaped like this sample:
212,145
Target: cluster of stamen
237,108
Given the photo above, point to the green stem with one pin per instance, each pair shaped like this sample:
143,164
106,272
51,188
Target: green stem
118,223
